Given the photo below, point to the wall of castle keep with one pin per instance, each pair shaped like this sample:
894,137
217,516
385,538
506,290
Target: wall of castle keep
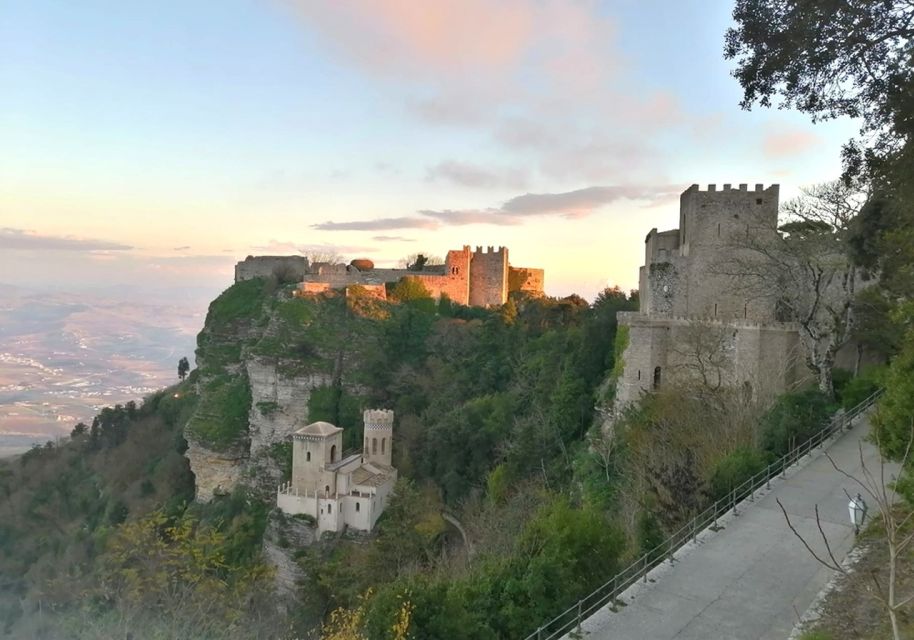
489,277
526,280
265,266
685,302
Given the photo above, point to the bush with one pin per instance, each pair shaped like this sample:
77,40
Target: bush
862,387
734,469
793,419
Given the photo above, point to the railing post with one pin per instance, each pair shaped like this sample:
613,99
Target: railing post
733,501
579,616
768,478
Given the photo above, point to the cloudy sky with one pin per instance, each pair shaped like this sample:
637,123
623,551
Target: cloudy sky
156,143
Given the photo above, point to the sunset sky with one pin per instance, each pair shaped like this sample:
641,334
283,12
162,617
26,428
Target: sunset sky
156,143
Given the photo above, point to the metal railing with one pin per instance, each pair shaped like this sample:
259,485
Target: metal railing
609,592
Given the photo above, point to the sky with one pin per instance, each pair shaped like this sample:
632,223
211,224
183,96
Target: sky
154,144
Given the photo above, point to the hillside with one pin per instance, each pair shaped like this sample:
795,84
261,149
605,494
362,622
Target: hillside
492,410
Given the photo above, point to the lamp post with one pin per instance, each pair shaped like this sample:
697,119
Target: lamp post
857,509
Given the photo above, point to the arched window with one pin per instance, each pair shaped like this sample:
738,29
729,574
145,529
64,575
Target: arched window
333,453
746,310
329,508
656,377
357,505
639,374
374,445
307,456
327,489
382,444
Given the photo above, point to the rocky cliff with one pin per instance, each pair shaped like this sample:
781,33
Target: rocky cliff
267,364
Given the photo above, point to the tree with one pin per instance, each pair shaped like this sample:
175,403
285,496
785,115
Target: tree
418,261
183,368
829,58
805,268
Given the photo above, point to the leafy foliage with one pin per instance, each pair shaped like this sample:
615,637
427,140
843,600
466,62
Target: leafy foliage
793,419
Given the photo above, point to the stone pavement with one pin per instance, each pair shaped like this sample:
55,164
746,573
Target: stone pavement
752,579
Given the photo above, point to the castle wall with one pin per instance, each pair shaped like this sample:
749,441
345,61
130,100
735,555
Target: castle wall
688,306
489,277
526,280
713,225
264,266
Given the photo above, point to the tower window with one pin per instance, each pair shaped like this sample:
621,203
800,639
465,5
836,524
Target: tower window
656,377
758,201
327,489
357,505
329,508
715,309
308,456
333,453
639,374
718,229
374,445
746,310
382,444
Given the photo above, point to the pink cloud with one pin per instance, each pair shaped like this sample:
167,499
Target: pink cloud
398,36
790,142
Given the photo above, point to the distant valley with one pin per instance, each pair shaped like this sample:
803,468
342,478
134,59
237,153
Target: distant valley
64,355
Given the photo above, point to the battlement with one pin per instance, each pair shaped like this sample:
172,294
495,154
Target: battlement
376,419
489,249
712,188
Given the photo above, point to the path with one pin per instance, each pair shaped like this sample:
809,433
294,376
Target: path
752,579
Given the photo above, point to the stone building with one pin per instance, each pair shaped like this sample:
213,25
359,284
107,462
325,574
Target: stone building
693,321
295,267
476,278
341,489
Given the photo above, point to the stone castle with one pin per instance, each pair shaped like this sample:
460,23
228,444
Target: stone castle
693,322
475,278
340,489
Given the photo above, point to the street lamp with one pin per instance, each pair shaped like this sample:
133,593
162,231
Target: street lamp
857,509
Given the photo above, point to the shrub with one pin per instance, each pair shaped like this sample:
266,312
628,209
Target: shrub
793,419
733,470
862,387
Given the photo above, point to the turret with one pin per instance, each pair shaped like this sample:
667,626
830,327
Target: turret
379,430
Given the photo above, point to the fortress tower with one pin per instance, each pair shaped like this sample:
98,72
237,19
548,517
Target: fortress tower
378,439
489,277
314,448
688,305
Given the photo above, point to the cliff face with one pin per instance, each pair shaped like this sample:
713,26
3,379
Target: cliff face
269,363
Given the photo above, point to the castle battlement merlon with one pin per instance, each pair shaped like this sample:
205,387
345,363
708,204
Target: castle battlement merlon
712,188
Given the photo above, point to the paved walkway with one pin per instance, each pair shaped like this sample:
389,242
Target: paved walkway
753,579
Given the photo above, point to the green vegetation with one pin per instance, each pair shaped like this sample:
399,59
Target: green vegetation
795,418
221,418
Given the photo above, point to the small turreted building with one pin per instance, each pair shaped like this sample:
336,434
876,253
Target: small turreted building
339,489
695,320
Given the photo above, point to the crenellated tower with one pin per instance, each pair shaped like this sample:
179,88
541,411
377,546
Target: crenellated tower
378,438
489,277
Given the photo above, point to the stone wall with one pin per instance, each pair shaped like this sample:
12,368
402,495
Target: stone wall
489,277
295,267
526,280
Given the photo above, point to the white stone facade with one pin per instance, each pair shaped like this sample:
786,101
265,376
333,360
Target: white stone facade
340,490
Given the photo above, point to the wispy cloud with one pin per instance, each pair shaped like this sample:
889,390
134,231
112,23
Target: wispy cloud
570,204
474,176
583,202
392,239
378,224
22,239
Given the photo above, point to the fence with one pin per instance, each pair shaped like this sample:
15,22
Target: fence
571,618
